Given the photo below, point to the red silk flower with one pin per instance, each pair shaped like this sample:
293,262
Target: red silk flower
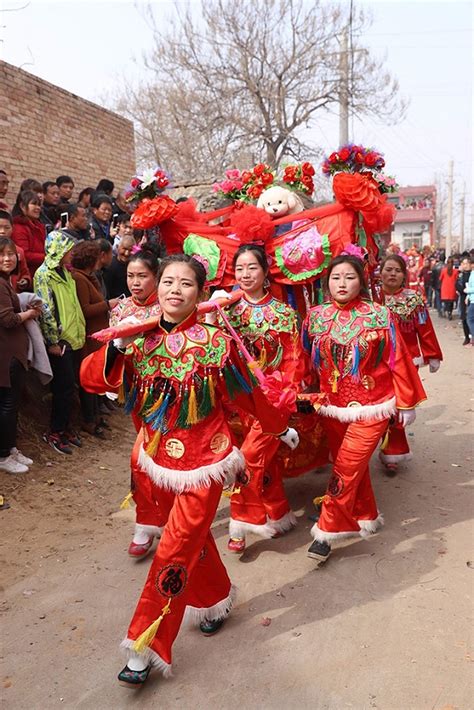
150,213
356,190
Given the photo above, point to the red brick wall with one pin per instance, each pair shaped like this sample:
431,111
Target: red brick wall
46,131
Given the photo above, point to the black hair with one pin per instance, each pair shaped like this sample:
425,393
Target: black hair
47,184
183,198
99,198
86,191
3,172
105,245
194,264
148,254
358,267
62,179
72,209
255,249
6,215
106,186
124,217
6,242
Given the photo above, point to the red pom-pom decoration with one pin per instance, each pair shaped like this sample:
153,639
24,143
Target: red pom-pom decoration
150,213
251,224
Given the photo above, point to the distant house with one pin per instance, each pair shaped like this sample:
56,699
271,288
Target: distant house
415,216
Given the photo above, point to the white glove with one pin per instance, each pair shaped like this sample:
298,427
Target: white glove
290,438
406,417
220,293
434,365
122,343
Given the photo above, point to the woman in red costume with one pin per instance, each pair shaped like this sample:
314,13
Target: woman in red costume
183,372
142,269
269,330
415,327
368,376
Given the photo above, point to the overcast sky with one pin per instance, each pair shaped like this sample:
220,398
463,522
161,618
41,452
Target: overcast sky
85,47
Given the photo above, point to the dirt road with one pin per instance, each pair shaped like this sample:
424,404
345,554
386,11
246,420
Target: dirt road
384,624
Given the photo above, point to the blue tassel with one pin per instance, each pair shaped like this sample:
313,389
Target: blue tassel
156,419
316,356
305,340
422,317
131,400
241,380
291,297
355,361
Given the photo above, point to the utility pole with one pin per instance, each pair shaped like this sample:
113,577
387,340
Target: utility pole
462,202
344,90
449,233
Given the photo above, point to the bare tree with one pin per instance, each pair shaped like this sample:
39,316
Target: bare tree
235,82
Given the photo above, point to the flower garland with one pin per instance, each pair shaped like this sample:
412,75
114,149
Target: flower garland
151,183
299,177
247,185
353,158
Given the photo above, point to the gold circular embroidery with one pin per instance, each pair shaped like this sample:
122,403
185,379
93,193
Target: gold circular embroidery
219,443
174,448
354,404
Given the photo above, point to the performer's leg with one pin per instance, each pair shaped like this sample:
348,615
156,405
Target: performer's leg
279,514
170,584
343,501
395,449
247,510
149,519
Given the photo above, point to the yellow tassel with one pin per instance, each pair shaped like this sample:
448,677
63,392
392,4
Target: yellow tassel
121,394
126,501
212,390
384,443
192,417
146,638
262,360
335,377
319,500
152,446
229,492
155,406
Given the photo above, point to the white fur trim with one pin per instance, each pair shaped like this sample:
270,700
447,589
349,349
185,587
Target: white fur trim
395,458
285,523
195,615
383,410
179,481
369,527
149,529
149,656
324,536
238,528
419,361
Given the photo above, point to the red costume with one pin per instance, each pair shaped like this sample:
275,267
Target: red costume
367,374
181,379
415,327
269,330
148,518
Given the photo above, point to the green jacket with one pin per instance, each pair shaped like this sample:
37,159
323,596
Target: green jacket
62,318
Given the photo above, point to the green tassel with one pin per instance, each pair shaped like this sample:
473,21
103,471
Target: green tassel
205,405
181,422
380,351
231,383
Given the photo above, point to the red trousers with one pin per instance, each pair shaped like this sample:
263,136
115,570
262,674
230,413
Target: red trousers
349,506
262,498
186,569
396,449
148,515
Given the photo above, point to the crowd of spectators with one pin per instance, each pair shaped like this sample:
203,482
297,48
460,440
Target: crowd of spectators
63,268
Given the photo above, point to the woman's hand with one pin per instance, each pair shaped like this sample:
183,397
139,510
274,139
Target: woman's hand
113,302
55,350
30,314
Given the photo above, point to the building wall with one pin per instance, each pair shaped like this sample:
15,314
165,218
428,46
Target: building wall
46,131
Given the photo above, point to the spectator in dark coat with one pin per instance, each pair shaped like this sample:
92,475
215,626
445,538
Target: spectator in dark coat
101,216
461,283
115,276
66,188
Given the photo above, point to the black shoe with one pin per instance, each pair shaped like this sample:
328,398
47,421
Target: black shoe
72,437
319,551
133,679
209,628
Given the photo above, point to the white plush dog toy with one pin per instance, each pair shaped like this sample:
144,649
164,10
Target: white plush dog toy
279,201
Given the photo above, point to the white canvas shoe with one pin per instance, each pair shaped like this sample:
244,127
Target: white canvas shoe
11,465
21,458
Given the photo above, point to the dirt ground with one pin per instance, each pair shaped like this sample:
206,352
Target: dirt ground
385,624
